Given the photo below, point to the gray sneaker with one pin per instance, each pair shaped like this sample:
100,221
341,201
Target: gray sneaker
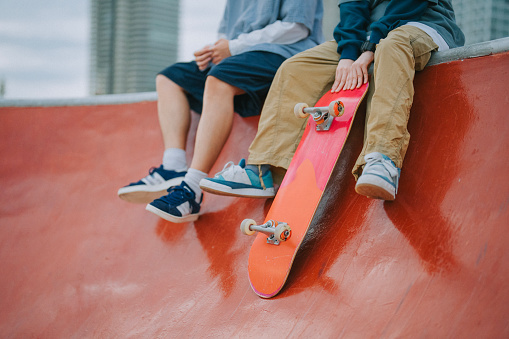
380,177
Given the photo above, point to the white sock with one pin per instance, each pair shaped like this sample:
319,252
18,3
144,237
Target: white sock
174,159
192,178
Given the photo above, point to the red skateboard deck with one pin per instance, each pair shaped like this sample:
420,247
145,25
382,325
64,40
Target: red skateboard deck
300,193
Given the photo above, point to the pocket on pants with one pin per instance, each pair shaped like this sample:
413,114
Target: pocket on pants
422,45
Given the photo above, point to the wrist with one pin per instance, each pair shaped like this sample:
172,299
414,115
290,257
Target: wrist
368,46
349,52
234,46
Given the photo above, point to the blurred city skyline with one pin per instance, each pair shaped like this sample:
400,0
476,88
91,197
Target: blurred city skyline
45,46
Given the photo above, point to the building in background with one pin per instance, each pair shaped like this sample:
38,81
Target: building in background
2,88
131,40
482,20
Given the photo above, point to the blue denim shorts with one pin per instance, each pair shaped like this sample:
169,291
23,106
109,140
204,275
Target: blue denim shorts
252,72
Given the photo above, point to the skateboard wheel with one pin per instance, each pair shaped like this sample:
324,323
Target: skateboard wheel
336,108
282,232
298,110
244,226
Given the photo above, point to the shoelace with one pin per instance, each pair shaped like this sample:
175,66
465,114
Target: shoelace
387,165
153,169
178,194
229,167
150,179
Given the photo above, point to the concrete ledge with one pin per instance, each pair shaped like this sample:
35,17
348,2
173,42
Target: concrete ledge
466,52
470,51
110,99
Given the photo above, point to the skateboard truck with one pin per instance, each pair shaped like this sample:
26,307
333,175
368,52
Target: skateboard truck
276,230
323,116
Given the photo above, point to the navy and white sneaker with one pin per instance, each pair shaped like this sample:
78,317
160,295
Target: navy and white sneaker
153,186
178,206
379,178
236,180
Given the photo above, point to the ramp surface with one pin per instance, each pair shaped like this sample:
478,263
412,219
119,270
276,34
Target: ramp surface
79,262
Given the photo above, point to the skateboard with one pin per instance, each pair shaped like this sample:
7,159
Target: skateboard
280,236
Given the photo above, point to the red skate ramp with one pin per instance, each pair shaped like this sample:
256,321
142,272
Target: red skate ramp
76,261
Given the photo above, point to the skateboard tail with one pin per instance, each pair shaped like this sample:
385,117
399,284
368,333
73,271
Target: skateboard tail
269,265
266,295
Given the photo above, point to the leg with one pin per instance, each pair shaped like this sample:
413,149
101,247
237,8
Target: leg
173,111
222,96
248,73
182,204
302,78
215,123
174,120
405,50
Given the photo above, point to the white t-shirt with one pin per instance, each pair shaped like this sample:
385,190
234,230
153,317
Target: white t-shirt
278,32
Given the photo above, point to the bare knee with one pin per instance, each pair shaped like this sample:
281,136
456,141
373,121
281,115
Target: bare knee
163,84
215,85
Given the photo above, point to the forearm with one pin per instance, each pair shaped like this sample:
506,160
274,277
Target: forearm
351,30
276,33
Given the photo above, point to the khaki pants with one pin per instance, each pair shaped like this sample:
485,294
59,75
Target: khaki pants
308,75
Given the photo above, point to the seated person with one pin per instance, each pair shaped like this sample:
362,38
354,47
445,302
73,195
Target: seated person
399,37
233,75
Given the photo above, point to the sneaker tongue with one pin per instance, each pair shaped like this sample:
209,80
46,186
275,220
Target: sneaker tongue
242,163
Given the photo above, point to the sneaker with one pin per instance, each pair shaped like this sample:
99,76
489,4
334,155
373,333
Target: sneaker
379,178
178,206
153,186
236,180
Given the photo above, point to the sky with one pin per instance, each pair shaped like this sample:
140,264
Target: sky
44,45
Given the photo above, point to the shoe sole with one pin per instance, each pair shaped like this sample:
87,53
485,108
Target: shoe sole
376,188
219,189
172,218
146,194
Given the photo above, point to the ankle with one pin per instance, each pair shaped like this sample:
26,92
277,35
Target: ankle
260,175
174,159
259,168
193,178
